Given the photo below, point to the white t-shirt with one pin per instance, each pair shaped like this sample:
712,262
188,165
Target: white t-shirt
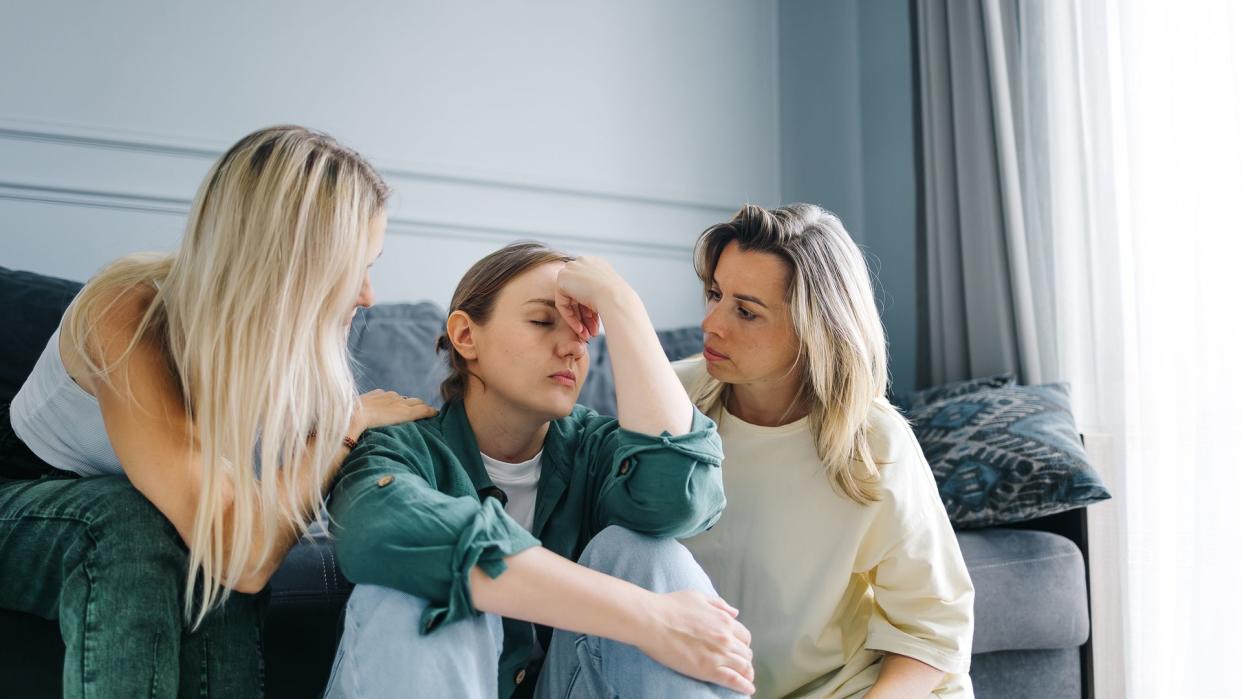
823,583
520,483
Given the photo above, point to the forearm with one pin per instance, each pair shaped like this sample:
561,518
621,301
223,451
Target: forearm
902,677
542,587
650,398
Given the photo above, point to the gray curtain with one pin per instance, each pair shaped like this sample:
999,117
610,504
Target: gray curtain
979,310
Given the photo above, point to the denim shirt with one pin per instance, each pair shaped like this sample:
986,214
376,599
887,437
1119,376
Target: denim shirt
411,509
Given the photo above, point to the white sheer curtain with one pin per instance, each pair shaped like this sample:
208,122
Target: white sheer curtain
1133,115
1181,75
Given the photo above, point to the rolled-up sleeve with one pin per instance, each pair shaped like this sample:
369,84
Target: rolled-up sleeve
658,485
924,599
392,528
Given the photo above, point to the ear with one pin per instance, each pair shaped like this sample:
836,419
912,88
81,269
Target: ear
460,331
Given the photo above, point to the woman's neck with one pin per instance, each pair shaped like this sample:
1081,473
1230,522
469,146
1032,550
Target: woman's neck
766,405
501,431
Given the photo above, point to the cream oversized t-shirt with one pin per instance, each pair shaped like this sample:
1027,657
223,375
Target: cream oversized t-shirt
824,584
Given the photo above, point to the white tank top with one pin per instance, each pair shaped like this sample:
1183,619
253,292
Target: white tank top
59,421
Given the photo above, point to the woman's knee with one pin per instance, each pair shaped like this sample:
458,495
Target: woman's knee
378,616
656,563
616,546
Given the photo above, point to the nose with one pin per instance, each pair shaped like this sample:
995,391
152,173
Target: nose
366,297
568,344
711,324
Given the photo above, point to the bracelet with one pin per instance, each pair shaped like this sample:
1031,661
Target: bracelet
349,442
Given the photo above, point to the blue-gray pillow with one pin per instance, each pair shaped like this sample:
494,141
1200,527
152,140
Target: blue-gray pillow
1005,455
394,348
599,393
914,400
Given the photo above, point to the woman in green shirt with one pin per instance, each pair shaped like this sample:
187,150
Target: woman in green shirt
461,530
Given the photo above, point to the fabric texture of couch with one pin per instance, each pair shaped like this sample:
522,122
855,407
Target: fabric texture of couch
1031,587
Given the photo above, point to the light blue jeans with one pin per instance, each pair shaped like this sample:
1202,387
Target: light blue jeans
382,655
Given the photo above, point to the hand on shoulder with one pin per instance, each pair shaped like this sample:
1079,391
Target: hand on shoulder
380,408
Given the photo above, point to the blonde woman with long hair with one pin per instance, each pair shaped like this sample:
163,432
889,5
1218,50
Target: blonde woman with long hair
835,545
178,431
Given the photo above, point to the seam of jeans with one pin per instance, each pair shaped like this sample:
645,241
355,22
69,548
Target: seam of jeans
88,613
344,659
258,646
573,682
204,686
336,668
155,673
48,514
584,642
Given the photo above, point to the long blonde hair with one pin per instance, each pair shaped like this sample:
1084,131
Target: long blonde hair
249,312
842,354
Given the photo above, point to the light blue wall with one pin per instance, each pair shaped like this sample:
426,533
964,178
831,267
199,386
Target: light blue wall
848,141
614,128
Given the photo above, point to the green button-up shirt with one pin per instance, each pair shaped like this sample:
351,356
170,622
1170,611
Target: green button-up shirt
410,509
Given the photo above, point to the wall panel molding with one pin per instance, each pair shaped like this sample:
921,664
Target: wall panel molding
83,136
73,166
60,196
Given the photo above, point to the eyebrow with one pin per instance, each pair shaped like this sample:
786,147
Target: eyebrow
543,302
743,297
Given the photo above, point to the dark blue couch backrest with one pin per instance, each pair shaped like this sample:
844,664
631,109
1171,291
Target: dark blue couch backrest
30,308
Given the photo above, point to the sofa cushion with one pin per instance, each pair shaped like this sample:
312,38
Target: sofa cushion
599,391
1006,455
1028,674
301,624
1030,590
394,348
32,305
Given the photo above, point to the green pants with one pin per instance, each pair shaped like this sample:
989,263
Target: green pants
96,555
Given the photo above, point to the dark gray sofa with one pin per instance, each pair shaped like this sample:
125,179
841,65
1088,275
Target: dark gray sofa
1032,620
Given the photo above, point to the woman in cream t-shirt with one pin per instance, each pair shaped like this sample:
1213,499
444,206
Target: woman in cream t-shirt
834,545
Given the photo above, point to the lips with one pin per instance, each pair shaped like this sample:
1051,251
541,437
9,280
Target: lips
712,355
566,378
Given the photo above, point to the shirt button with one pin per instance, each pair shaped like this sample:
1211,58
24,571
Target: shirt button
625,467
384,481
521,675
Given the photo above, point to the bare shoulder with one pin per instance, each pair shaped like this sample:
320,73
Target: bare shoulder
112,323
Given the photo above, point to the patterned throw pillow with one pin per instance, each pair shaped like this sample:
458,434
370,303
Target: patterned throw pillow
907,402
1005,455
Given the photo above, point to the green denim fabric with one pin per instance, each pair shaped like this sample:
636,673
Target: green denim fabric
411,507
96,555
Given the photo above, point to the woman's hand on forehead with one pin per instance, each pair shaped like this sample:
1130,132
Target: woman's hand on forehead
582,286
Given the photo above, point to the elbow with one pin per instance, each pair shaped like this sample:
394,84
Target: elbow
695,520
257,577
667,519
251,584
